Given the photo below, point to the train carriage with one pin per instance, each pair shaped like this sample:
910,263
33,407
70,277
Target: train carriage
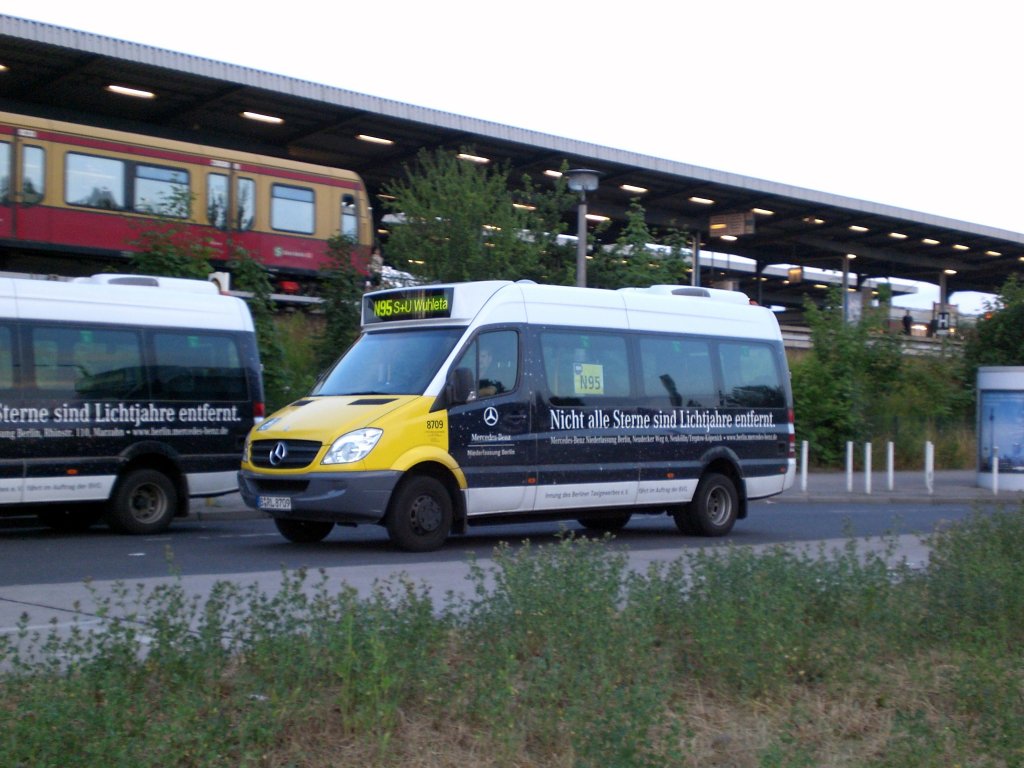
90,192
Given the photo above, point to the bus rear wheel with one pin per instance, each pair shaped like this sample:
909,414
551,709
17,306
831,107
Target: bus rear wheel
713,509
303,531
419,518
143,503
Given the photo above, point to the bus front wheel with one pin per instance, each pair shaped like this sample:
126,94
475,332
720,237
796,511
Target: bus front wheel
713,509
144,502
420,515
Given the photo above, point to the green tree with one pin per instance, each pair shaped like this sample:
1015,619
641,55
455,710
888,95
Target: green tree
170,245
251,277
858,383
998,337
632,261
341,288
462,221
837,385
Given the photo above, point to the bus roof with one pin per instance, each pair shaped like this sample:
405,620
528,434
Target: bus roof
148,301
660,308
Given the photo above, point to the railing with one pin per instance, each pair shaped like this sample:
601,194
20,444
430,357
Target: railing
798,337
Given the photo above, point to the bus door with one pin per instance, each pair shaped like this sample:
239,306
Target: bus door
585,421
490,436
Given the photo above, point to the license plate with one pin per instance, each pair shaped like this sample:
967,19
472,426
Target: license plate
275,502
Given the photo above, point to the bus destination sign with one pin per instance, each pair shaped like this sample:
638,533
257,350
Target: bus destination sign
410,304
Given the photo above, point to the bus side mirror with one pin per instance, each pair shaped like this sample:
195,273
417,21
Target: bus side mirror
461,386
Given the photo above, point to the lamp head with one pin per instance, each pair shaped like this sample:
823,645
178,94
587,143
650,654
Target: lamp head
582,179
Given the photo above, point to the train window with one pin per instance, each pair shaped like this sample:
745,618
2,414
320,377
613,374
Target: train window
33,161
291,209
5,172
245,205
31,174
349,217
163,191
218,204
217,200
95,182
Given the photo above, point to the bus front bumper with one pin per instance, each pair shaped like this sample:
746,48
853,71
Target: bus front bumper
355,497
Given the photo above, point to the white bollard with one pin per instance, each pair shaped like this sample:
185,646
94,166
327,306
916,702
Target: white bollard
929,466
995,470
890,464
867,468
849,466
803,466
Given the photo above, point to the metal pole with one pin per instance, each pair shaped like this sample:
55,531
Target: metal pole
929,466
803,466
849,466
867,468
890,461
581,242
846,287
695,270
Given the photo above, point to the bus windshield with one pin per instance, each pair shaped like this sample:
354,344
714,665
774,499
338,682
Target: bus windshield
400,362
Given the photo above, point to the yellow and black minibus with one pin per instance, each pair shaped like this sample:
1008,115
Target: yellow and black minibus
504,401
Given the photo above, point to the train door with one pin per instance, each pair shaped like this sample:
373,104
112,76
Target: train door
22,178
230,201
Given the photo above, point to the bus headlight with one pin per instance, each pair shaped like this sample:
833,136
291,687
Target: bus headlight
353,446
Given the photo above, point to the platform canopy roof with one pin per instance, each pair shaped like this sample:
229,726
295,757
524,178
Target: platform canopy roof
62,73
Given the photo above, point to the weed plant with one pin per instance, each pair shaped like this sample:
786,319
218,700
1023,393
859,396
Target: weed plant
557,655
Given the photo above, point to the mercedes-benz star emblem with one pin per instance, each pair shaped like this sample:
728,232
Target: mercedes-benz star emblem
490,416
278,454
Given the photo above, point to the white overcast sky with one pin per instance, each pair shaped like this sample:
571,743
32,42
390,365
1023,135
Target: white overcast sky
911,103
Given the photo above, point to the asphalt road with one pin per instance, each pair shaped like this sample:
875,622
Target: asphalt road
225,545
49,576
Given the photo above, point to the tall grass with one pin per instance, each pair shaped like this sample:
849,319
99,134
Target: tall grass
556,655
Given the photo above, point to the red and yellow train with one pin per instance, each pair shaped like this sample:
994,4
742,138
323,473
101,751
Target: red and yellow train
82,193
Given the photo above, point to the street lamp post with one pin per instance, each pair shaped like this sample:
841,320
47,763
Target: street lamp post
582,180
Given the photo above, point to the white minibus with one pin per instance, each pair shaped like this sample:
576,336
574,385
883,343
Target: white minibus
122,396
503,401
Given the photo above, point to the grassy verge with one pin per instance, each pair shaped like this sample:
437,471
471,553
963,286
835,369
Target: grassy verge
560,655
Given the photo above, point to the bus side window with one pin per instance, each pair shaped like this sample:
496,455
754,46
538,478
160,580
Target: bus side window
6,359
579,365
750,375
53,358
198,366
494,359
678,369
